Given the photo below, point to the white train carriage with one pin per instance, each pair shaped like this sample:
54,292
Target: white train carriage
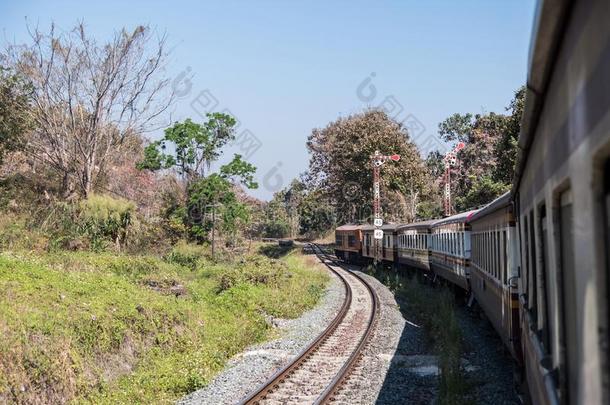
494,271
450,252
413,244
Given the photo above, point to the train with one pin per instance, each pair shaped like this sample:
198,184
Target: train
536,260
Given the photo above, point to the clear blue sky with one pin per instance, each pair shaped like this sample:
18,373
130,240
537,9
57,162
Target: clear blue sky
285,67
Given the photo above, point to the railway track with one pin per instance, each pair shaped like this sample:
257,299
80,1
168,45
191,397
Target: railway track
318,373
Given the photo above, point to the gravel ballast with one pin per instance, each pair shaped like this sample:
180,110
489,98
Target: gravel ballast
396,366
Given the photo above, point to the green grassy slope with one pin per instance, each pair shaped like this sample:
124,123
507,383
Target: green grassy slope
111,328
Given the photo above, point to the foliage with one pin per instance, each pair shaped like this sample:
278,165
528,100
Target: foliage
483,190
194,148
14,111
276,229
107,328
104,217
487,162
340,166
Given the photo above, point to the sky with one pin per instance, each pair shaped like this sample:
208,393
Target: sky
283,68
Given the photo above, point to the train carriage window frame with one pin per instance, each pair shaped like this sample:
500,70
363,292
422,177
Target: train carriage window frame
505,258
544,329
564,240
525,255
498,258
606,243
533,270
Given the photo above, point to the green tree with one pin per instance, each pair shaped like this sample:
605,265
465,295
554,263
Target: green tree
195,146
486,164
14,111
191,148
340,166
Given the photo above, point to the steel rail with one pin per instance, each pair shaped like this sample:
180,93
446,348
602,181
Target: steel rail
286,372
337,382
283,374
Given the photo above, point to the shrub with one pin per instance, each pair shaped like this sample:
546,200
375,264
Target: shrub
103,217
186,255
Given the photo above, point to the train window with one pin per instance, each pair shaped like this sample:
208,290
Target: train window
526,255
351,240
534,275
491,253
568,280
338,240
606,205
504,258
487,253
498,257
544,260
494,253
481,252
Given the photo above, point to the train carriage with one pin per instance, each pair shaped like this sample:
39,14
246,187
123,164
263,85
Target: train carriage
348,243
494,269
562,205
388,243
413,243
450,252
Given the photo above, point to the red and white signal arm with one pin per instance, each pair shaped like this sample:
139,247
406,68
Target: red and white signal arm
395,157
460,146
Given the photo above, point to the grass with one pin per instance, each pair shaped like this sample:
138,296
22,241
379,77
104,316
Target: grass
105,328
434,309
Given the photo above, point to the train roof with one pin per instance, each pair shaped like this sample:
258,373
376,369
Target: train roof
417,225
549,24
457,218
501,202
385,227
349,227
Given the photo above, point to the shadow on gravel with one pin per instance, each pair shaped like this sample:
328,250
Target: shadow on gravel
412,375
476,366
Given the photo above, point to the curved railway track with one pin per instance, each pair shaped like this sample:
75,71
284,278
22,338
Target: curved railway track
317,374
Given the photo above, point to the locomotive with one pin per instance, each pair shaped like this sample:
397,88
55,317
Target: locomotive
537,259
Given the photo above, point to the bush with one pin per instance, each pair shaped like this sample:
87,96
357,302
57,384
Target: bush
186,255
103,217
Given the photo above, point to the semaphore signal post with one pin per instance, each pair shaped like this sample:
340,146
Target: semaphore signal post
450,160
377,160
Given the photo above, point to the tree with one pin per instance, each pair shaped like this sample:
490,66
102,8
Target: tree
196,146
340,166
191,148
487,162
87,98
14,111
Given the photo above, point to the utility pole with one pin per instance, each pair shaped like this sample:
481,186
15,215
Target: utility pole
377,160
450,160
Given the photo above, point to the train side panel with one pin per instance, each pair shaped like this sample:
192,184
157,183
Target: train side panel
450,252
413,242
494,272
561,206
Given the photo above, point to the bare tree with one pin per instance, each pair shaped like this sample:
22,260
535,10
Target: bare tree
89,98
